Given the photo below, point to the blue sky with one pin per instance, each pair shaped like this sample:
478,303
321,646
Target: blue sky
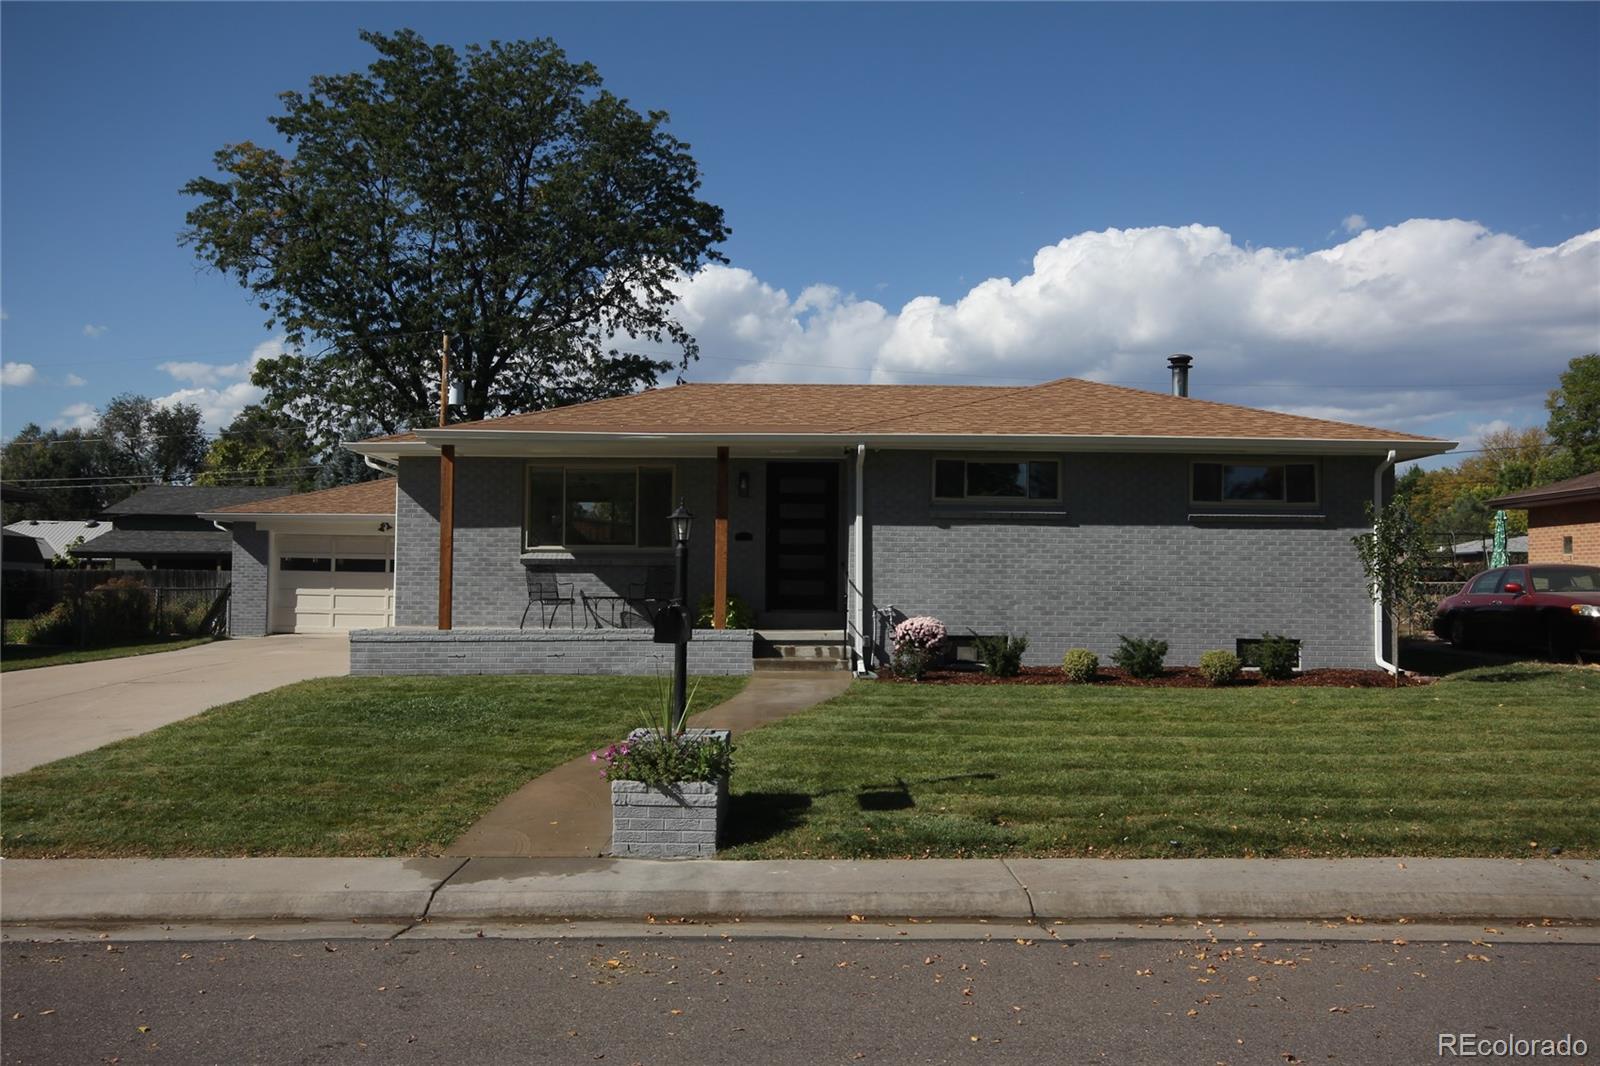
1269,187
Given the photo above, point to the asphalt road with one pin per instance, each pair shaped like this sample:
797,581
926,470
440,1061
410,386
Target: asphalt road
779,1002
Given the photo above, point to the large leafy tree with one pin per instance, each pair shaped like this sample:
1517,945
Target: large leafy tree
76,473
260,447
499,195
60,472
150,441
1574,408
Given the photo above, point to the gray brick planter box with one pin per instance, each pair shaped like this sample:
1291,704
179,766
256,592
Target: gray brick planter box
680,821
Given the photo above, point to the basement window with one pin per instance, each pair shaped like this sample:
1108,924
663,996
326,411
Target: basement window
1253,483
1566,545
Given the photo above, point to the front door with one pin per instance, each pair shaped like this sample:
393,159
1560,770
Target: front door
802,536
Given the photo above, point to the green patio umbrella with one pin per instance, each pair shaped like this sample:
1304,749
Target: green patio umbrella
1497,556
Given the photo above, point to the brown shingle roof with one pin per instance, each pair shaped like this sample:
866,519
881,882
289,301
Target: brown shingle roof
1068,407
366,497
1582,487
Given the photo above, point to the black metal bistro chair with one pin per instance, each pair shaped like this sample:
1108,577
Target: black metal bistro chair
646,595
551,594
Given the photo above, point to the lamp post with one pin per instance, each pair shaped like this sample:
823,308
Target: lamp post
682,522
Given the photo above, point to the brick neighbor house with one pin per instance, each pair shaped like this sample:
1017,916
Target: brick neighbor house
1069,511
1563,520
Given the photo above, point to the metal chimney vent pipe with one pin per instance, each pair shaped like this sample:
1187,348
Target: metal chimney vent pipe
1180,373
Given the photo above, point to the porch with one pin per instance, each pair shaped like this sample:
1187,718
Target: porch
565,545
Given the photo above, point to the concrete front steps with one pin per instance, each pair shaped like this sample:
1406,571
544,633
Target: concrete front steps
801,649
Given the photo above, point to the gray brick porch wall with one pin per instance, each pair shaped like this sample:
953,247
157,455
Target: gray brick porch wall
534,651
1125,557
248,603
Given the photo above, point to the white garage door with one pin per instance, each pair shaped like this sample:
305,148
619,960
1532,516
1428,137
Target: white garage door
331,584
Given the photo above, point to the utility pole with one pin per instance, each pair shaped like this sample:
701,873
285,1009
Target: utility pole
447,495
444,382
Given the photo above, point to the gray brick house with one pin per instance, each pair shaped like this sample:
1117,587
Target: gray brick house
1069,511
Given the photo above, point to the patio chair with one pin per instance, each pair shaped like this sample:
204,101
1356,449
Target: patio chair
645,594
551,594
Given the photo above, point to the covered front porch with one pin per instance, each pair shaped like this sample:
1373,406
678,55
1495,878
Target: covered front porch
507,539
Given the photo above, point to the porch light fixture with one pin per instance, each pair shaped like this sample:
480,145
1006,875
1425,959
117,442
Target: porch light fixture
744,484
682,521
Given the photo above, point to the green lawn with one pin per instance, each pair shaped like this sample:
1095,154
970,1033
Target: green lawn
1482,764
338,766
31,656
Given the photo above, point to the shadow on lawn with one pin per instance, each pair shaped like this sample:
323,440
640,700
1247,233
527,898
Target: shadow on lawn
757,816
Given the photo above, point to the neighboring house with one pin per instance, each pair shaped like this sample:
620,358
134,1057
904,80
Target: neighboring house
56,537
1476,551
1563,520
160,528
313,562
18,551
1069,511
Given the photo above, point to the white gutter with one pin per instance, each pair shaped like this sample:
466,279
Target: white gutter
858,524
1377,603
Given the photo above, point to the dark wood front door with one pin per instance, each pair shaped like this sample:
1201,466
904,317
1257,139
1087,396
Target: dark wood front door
802,536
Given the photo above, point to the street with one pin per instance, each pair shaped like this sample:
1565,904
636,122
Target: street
733,1000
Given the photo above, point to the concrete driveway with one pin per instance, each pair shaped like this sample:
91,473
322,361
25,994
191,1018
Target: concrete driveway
56,711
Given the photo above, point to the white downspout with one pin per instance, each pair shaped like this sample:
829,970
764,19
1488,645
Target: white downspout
858,551
1377,603
391,469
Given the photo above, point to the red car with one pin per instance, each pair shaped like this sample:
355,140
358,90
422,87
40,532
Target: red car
1548,607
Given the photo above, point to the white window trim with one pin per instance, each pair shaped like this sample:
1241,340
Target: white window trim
1012,501
565,467
1285,504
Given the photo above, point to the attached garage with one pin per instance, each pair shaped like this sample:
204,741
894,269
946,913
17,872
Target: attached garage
313,562
329,584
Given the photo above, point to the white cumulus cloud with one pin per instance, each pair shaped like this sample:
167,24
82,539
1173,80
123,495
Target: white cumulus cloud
220,390
92,331
77,416
18,374
1401,327
73,381
1354,223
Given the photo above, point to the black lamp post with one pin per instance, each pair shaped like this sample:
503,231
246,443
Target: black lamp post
682,522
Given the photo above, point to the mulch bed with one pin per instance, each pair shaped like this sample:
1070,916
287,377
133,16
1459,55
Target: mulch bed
1173,677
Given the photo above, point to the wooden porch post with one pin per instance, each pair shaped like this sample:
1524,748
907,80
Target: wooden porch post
719,572
447,531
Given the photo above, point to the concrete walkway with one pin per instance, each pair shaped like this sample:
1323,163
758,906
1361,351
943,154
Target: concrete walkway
403,891
567,812
55,711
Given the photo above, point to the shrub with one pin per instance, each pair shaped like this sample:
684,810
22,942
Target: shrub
739,614
1140,657
1277,656
1001,655
1079,665
923,632
912,661
119,609
55,626
1219,667
185,617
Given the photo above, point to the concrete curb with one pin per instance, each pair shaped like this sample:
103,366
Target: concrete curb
233,890
140,890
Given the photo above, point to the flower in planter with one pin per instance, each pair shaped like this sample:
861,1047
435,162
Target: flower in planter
659,756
